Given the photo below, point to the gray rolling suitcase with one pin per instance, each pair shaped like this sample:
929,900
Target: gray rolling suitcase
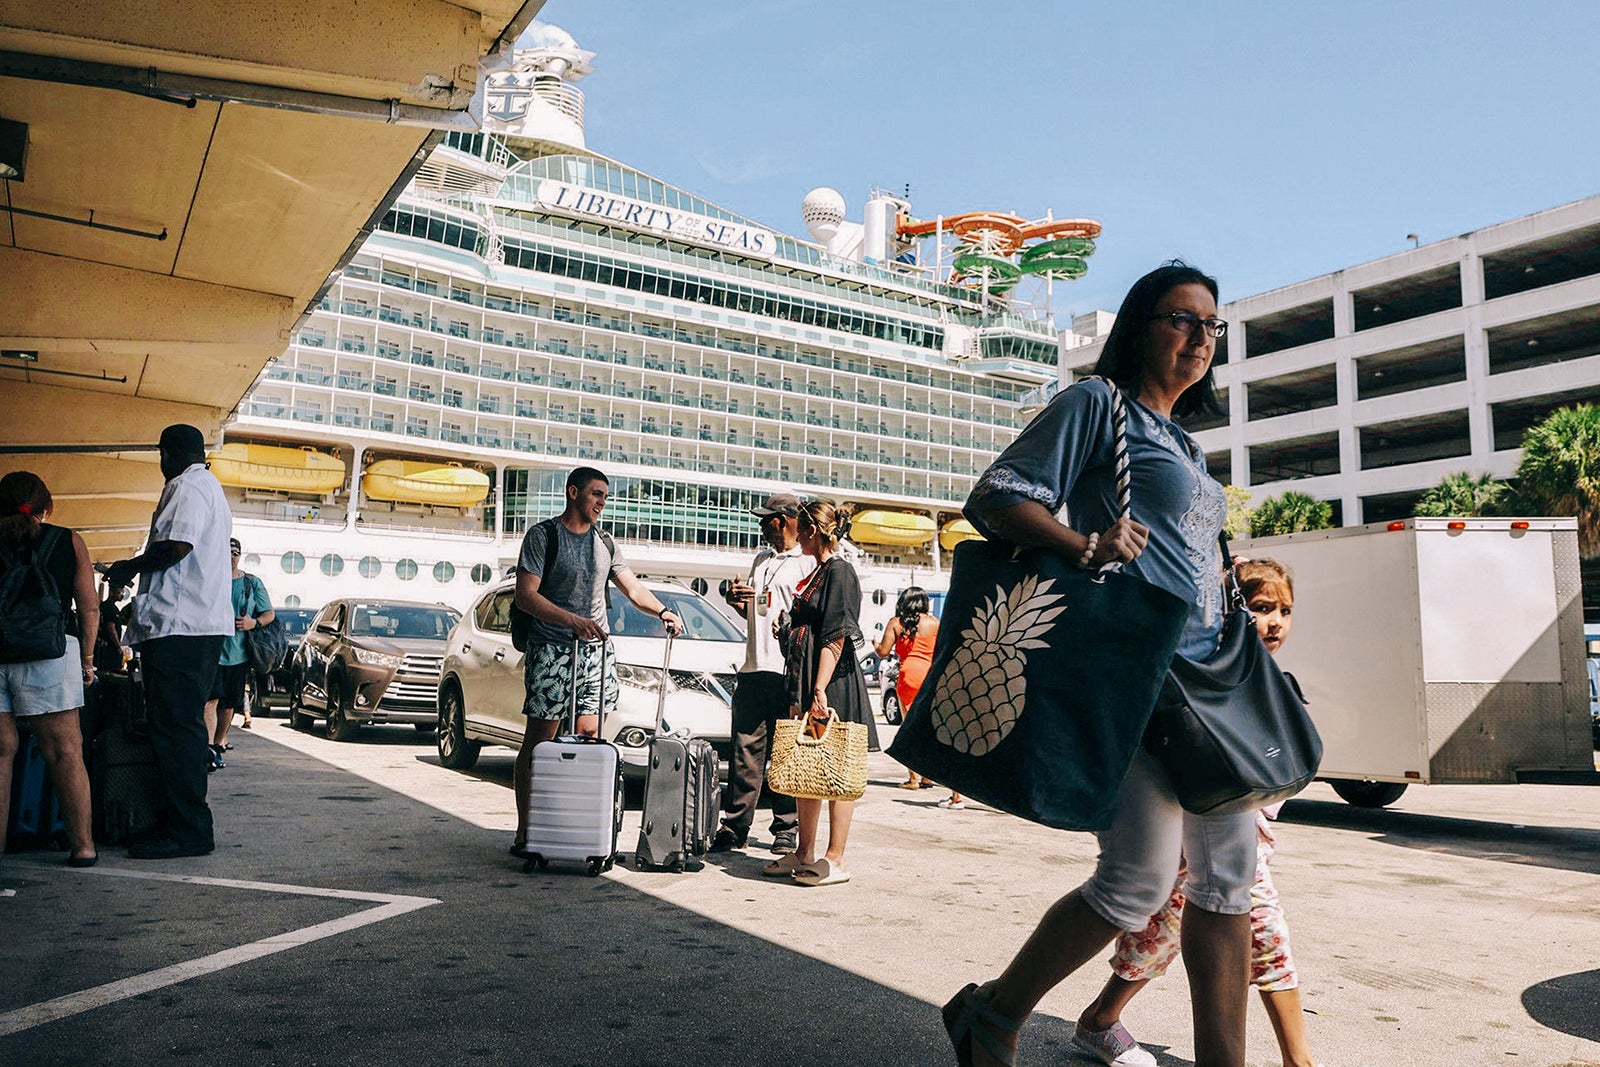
681,798
575,796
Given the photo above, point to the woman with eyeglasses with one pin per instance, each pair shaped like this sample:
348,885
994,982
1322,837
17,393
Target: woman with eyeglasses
825,675
1158,354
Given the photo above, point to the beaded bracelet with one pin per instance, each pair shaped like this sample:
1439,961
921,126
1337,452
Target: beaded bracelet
1088,553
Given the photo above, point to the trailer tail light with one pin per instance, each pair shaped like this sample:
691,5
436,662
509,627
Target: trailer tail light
1457,525
1519,525
1414,775
1393,526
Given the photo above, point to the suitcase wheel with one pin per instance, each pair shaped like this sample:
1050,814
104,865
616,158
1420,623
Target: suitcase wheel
534,862
678,864
594,866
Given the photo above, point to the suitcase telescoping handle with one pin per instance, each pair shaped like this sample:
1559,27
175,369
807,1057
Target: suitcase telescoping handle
661,690
600,710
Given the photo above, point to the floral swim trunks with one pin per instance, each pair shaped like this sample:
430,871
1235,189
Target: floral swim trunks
547,674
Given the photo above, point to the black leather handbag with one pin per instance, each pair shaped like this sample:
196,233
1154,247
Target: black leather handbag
1232,733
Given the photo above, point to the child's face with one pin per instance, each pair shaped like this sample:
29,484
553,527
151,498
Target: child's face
1273,618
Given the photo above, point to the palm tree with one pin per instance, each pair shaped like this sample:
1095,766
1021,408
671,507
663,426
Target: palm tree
1290,513
1237,523
1464,495
1560,470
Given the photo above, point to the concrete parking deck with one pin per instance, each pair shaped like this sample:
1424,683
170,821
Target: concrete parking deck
360,908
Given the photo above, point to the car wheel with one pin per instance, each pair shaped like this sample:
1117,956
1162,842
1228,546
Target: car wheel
455,751
1368,794
298,719
340,726
893,714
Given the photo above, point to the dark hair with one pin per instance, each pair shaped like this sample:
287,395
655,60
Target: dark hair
23,498
911,607
580,478
1122,359
832,519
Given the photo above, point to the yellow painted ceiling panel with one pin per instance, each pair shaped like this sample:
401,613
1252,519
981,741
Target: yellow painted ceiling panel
283,195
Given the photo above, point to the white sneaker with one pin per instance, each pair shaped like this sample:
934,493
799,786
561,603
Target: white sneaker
1113,1046
953,804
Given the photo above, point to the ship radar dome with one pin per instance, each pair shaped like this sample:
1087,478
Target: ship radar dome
822,209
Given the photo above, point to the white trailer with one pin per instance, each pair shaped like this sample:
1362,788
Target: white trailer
1440,651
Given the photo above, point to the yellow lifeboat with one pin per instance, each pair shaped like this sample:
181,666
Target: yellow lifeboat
955,532
288,470
891,528
412,481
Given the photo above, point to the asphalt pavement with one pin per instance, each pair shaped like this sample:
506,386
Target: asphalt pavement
361,908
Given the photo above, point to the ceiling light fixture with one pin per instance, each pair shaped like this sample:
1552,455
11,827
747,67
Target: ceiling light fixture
13,150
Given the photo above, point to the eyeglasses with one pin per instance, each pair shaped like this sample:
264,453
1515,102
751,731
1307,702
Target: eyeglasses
1188,321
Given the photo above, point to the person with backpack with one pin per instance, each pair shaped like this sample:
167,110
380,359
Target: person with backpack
46,651
180,616
252,609
562,574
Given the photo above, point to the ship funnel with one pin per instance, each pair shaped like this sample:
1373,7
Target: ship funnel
536,97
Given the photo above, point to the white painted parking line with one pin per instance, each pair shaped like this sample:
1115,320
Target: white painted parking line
390,905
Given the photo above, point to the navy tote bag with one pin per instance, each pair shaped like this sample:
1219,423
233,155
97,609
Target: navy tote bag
1043,678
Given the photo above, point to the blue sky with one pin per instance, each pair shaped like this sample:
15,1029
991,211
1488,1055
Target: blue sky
1263,142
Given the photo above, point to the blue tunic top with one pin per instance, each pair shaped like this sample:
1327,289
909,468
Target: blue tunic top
1063,461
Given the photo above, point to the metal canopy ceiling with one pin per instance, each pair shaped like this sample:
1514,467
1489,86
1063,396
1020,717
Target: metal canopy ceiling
230,157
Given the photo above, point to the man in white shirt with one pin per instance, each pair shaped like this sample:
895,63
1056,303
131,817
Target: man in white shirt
762,695
180,615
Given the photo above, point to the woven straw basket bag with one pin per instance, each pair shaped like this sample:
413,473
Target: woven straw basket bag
830,767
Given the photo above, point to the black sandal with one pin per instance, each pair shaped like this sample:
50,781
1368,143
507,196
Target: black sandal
969,1016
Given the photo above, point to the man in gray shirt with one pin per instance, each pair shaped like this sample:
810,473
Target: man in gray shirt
569,603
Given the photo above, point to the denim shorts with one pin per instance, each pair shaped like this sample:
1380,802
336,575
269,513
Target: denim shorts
547,674
43,686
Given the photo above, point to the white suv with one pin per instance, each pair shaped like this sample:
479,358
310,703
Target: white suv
481,689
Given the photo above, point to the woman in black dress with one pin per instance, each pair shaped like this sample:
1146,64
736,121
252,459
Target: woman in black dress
824,673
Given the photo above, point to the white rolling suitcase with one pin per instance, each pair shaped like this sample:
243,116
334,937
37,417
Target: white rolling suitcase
575,799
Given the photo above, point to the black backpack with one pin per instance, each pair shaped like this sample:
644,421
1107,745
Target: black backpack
33,624
521,621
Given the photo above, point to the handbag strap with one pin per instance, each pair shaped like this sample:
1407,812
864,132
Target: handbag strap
1119,465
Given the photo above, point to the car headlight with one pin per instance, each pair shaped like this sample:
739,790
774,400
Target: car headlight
633,737
378,659
646,678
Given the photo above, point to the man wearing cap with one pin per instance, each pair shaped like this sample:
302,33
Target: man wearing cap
180,615
761,696
251,608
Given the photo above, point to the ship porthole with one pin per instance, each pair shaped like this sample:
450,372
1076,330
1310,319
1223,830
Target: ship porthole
291,601
252,560
405,569
293,562
700,585
482,573
444,571
370,566
332,565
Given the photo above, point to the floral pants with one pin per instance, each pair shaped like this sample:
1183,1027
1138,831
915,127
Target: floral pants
1146,954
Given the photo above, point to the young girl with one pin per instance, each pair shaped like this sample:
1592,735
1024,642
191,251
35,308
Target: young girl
1144,955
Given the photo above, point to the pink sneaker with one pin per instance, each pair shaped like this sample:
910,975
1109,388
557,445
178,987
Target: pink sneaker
1113,1046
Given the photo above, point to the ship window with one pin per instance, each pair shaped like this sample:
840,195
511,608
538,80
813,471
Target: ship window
443,571
370,566
405,569
293,562
252,560
332,564
291,601
482,573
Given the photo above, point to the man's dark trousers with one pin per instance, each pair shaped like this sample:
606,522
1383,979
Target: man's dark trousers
759,700
178,672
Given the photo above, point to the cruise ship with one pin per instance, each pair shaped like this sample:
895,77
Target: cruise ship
529,305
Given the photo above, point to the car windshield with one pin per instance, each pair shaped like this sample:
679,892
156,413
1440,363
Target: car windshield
701,621
295,620
395,620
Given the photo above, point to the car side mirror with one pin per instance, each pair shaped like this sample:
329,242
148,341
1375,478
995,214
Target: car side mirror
327,628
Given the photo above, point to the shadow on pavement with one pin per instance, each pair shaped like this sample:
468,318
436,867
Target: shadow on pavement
1567,1004
1558,848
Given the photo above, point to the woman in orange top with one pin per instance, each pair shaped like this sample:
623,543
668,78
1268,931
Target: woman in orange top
910,634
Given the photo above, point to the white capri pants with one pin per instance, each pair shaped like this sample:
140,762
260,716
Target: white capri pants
1140,852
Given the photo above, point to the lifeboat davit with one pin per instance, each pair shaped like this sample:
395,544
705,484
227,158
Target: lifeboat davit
891,528
413,481
957,531
287,470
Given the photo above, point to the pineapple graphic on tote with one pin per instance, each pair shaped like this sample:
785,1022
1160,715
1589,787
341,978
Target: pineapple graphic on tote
980,697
